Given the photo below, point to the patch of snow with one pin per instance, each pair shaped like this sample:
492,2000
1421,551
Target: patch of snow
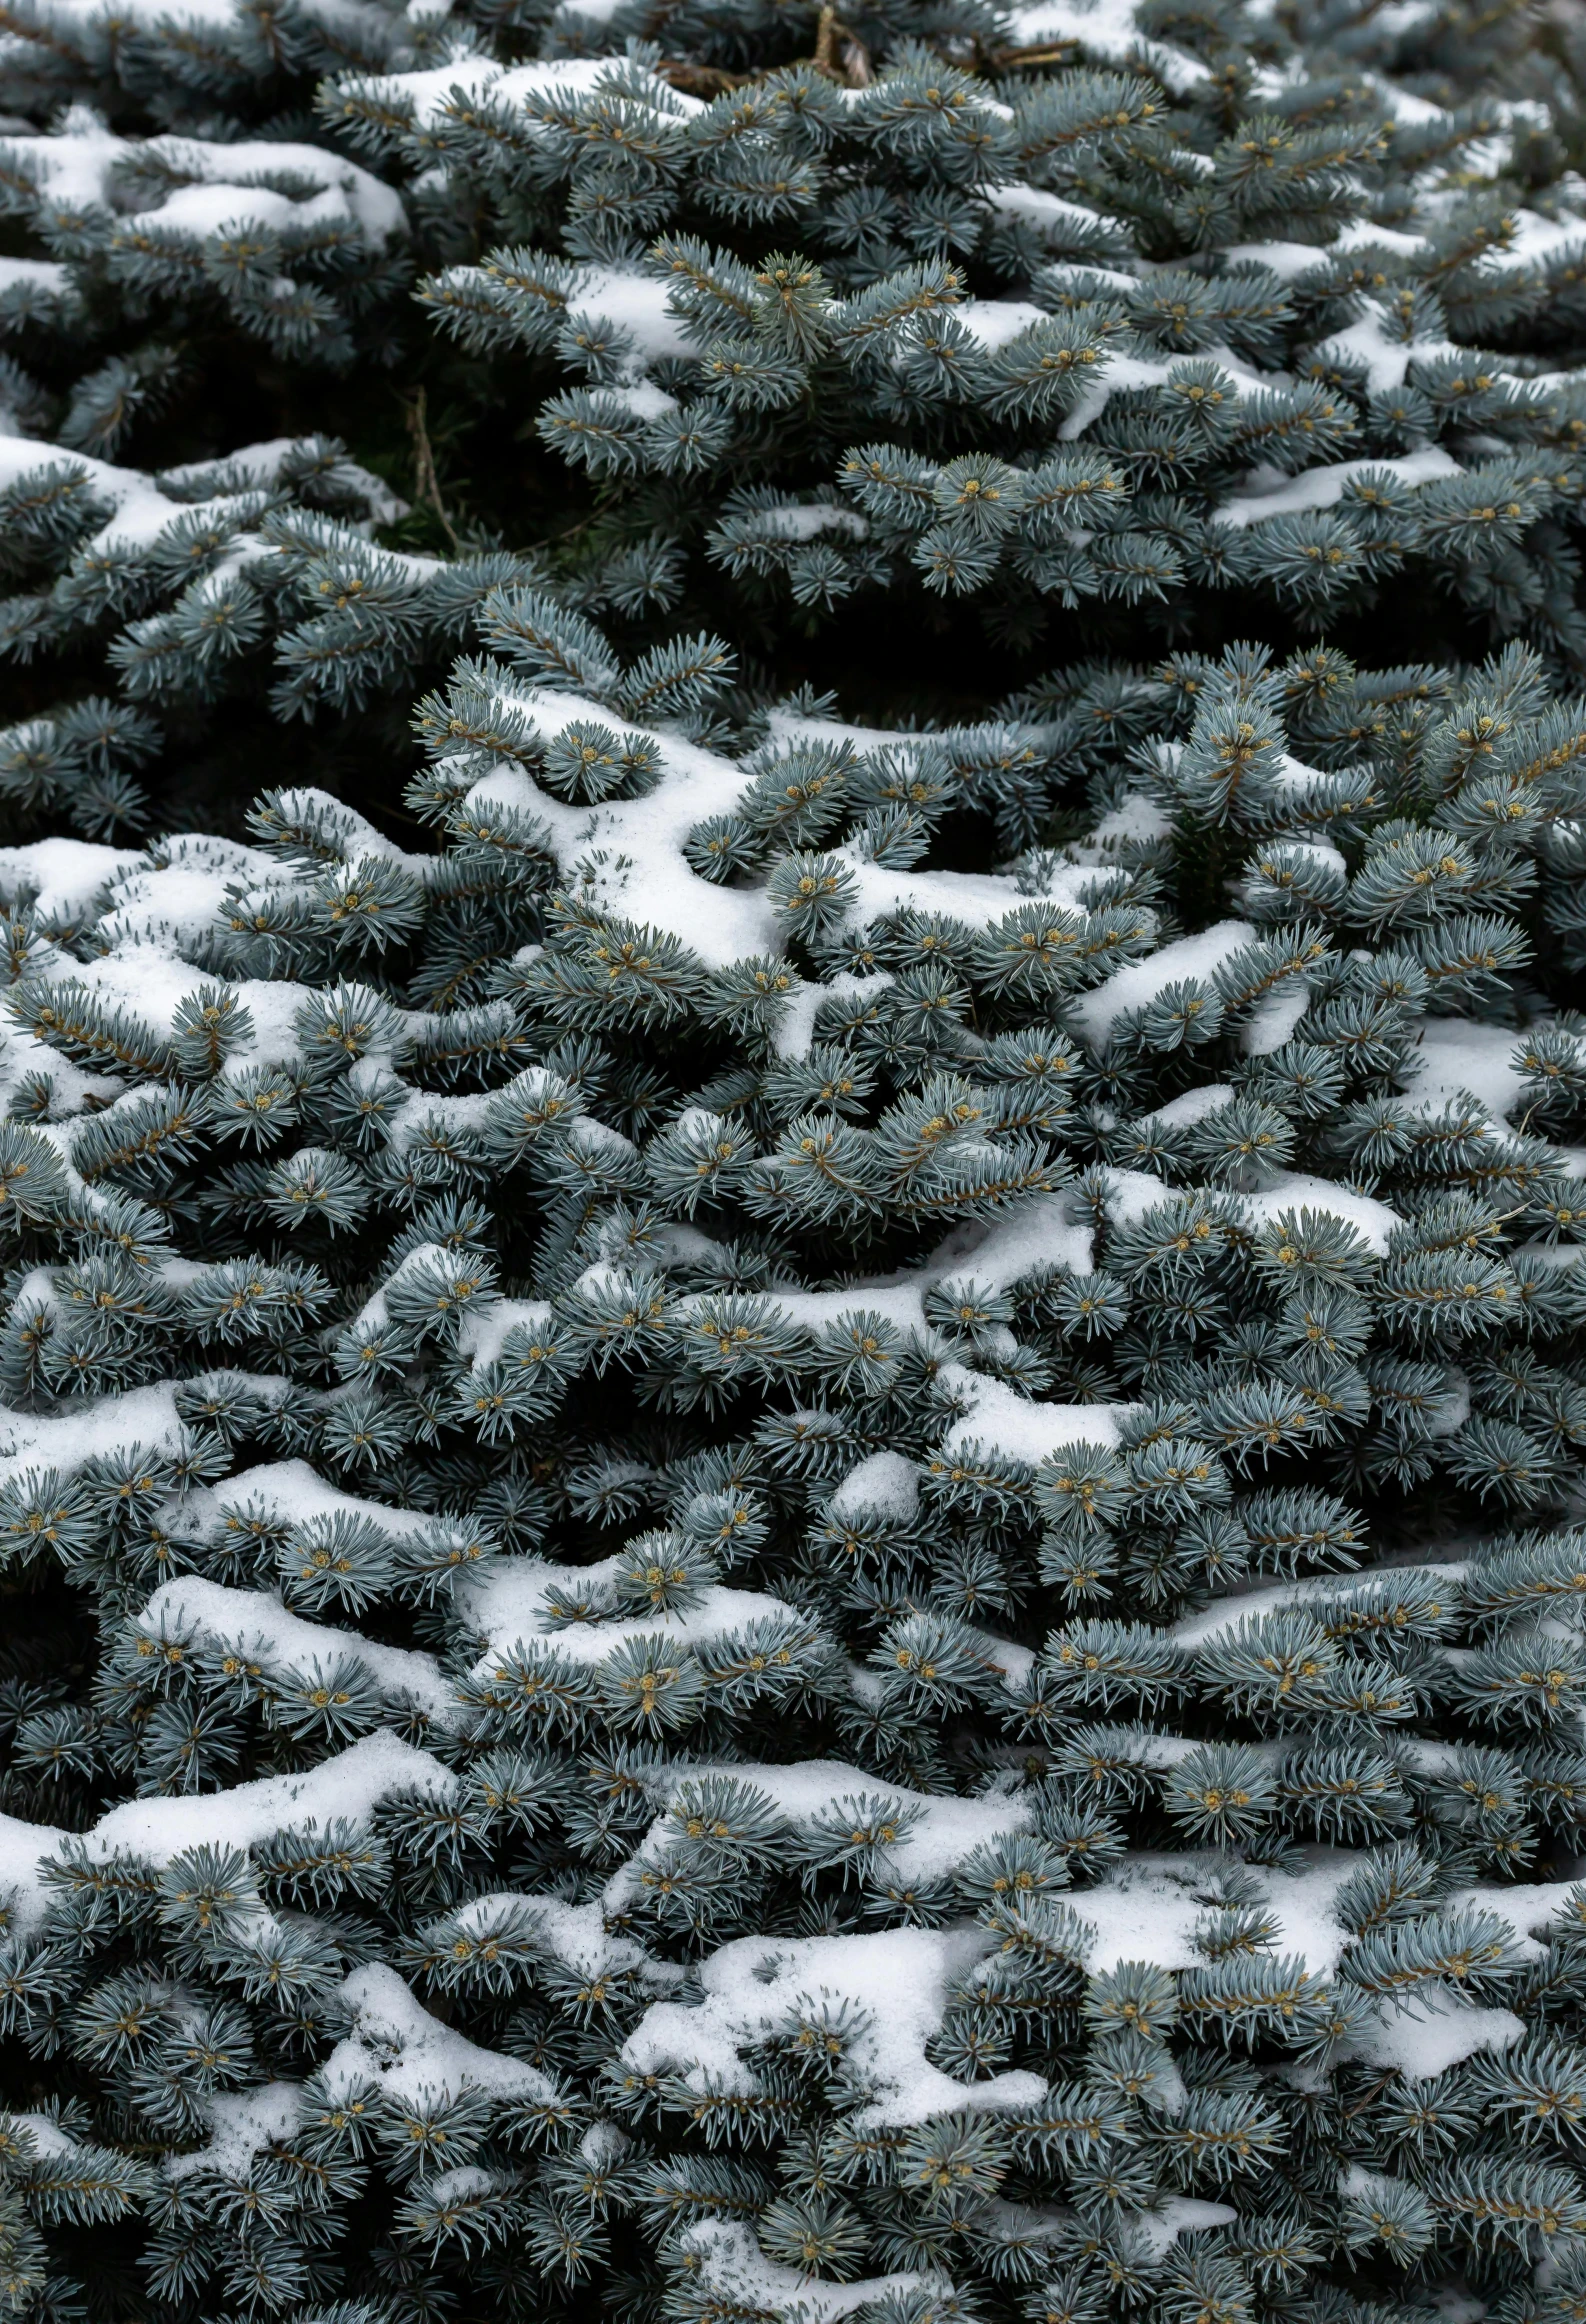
901,1978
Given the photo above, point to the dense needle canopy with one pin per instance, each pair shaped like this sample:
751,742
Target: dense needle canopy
792,1163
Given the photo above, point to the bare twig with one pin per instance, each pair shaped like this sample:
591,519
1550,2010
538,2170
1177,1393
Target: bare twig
1046,52
702,80
826,43
839,53
426,483
855,60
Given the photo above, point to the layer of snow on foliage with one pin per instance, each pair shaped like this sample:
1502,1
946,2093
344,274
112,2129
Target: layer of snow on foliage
256,1623
886,1484
996,1420
1149,1909
232,188
899,1978
728,2268
407,2052
1423,2045
95,1430
1135,986
349,1784
510,1607
1293,1190
1104,29
628,853
1323,487
1458,1058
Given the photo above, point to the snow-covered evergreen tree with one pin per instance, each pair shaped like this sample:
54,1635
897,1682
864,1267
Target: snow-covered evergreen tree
793,1337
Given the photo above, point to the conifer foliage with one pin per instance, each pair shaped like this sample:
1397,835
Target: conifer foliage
792,1402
